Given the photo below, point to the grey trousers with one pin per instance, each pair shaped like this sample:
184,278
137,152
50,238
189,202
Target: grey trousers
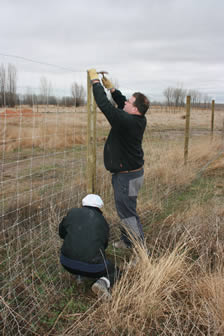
126,187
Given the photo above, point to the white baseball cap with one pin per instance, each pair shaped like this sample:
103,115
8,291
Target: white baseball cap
93,201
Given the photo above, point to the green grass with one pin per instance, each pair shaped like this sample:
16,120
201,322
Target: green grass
181,200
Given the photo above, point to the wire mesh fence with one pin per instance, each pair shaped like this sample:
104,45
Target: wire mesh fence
43,161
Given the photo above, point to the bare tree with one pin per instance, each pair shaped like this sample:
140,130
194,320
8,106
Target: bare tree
45,90
195,97
28,97
207,101
78,93
8,81
2,86
168,93
11,85
175,96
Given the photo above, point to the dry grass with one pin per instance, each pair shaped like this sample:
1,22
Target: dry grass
53,130
177,291
64,127
161,296
202,225
166,295
161,118
140,299
165,171
48,131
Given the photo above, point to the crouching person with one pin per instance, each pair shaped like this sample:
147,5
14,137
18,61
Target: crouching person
86,233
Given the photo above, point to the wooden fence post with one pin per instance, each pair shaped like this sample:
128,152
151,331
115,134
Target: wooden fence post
94,145
223,129
212,118
91,140
187,128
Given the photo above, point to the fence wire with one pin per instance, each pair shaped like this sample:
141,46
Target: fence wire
43,174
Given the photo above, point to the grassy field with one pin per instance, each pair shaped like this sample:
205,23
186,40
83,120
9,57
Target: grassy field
178,290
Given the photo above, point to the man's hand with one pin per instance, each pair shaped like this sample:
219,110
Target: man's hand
107,84
93,75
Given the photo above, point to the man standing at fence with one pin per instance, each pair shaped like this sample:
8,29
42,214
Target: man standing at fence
123,153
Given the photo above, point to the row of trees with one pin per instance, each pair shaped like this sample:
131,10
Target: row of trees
9,96
176,97
45,97
8,80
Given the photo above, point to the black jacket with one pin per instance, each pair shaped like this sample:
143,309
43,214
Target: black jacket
85,233
123,147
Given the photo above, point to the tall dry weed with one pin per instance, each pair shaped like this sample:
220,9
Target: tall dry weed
203,224
167,295
141,298
208,294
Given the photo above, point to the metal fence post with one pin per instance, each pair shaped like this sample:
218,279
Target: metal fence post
187,128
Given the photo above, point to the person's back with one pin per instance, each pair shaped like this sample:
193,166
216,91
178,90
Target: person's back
123,147
85,233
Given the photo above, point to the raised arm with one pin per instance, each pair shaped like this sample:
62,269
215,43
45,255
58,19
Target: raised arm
116,94
115,116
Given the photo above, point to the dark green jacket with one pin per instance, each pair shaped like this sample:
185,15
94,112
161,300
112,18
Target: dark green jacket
85,233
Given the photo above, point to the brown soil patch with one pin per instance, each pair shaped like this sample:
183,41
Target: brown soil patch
26,112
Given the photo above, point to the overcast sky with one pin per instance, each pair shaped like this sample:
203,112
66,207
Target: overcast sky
145,45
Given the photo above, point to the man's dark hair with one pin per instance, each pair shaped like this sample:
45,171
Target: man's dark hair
141,102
